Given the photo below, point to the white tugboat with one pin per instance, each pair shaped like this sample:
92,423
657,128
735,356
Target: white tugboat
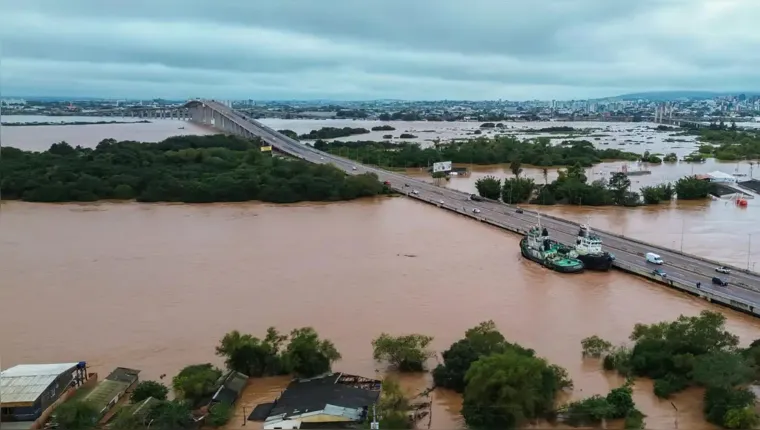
590,252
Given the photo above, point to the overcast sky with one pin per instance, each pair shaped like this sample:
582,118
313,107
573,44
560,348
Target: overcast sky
369,49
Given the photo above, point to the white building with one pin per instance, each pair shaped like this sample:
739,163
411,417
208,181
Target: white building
718,176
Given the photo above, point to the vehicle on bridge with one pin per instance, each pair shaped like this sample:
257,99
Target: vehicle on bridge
415,192
659,272
476,211
718,281
723,269
476,198
654,258
537,246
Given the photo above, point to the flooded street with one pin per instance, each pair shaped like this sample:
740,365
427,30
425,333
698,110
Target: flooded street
155,286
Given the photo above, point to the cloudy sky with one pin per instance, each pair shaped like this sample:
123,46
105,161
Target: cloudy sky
368,49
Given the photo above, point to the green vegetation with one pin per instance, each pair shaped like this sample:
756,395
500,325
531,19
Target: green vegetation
670,158
393,407
501,149
651,158
690,351
146,389
76,415
290,133
191,169
407,136
406,353
693,188
728,143
489,187
383,128
504,384
617,404
333,132
195,382
219,414
305,354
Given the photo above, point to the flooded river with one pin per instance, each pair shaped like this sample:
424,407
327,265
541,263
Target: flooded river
155,287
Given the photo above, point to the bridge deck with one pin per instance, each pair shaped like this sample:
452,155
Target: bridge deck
684,270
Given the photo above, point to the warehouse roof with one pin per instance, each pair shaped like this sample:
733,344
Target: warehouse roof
26,382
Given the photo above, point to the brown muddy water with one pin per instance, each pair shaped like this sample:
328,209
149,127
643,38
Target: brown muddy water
155,287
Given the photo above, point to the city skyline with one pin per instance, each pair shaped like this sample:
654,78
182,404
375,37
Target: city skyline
339,50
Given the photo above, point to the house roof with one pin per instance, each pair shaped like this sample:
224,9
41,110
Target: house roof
26,382
322,394
720,175
116,383
231,388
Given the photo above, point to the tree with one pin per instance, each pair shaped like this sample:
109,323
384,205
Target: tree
146,389
308,355
594,346
545,174
253,357
170,415
741,418
721,369
489,187
196,381
505,390
517,190
76,415
693,188
406,353
619,183
393,406
219,414
516,167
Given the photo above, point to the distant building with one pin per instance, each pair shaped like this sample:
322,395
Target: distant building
109,391
333,401
27,390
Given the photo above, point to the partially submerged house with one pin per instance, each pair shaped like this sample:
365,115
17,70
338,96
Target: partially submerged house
231,387
27,390
109,391
331,400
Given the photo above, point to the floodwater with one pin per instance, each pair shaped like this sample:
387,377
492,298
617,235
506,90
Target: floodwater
154,287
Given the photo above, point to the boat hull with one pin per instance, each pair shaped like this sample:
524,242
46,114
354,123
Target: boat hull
597,262
548,263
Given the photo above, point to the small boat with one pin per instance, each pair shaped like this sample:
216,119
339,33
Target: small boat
537,246
588,246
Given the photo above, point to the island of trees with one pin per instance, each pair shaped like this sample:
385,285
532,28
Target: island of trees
500,149
333,132
383,128
727,142
572,187
191,169
692,351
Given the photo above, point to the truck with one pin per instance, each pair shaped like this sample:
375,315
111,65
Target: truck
653,258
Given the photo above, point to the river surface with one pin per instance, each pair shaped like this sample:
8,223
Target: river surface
154,287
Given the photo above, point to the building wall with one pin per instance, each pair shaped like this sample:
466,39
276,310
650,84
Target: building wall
54,390
287,424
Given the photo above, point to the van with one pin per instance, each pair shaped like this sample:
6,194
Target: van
653,258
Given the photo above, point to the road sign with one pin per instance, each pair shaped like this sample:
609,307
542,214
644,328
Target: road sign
266,149
443,166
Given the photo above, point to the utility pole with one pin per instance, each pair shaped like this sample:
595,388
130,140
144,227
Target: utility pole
375,425
749,249
683,227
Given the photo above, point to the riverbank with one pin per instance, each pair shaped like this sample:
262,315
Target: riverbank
62,123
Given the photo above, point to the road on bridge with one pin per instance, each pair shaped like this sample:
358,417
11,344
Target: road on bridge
690,270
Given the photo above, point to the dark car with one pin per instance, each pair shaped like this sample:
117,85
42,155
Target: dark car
476,198
519,210
718,281
659,272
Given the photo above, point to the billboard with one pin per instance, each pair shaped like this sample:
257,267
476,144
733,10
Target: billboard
266,149
443,166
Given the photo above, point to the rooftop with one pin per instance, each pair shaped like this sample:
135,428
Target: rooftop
26,382
333,391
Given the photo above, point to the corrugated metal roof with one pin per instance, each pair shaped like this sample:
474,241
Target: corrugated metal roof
26,382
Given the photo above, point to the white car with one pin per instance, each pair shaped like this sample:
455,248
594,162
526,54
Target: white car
476,211
415,192
441,202
321,158
723,269
353,168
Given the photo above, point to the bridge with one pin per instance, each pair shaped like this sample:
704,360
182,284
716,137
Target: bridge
684,270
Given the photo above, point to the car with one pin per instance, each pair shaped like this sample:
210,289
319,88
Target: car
415,192
519,210
659,272
723,269
406,185
441,202
475,210
321,158
353,168
718,281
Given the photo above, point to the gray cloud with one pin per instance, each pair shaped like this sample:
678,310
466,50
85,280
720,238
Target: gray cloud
421,49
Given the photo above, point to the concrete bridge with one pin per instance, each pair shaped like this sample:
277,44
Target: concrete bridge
684,270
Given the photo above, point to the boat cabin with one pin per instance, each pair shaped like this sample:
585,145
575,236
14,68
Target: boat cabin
587,242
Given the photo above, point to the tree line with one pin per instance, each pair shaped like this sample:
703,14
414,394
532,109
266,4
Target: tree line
690,351
483,151
729,143
572,187
190,169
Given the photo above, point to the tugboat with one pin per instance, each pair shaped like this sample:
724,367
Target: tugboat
588,246
539,247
